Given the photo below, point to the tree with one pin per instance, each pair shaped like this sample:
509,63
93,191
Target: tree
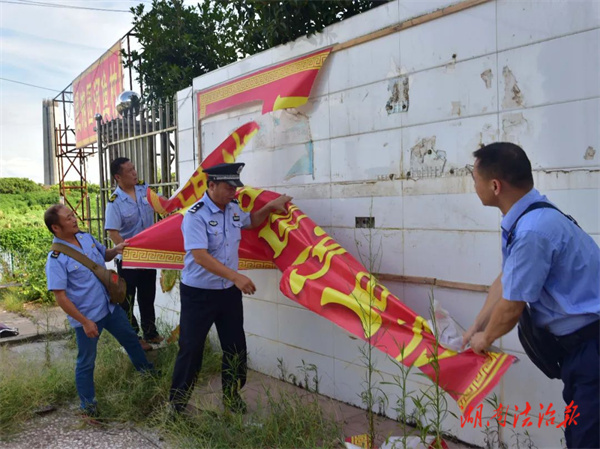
178,44
262,24
182,42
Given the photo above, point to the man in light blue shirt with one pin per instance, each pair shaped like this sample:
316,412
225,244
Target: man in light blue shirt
86,302
211,287
550,265
127,214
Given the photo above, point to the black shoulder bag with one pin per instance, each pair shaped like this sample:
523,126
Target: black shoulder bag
539,344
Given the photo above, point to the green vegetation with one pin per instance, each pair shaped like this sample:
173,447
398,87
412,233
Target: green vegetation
281,420
25,240
122,394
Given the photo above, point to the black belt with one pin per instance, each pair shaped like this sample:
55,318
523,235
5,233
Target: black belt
572,341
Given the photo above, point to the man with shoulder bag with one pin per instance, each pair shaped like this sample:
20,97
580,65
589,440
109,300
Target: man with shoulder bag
82,295
550,285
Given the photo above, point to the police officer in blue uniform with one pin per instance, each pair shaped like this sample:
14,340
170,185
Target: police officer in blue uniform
211,287
79,292
127,214
551,266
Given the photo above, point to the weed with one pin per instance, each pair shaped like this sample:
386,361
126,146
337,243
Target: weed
282,420
12,301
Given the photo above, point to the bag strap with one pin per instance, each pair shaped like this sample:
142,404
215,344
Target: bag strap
534,206
74,254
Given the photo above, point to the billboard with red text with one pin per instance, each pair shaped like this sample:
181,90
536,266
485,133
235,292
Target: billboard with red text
95,92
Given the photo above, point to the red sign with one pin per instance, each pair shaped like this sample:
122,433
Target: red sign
95,91
286,85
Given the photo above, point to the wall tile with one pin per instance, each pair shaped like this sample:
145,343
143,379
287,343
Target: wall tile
363,109
434,43
554,71
450,92
366,157
555,136
263,354
261,318
305,329
187,148
377,60
458,256
522,23
449,212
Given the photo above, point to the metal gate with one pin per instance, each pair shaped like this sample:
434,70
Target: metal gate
146,134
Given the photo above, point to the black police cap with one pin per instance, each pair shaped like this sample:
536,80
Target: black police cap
230,173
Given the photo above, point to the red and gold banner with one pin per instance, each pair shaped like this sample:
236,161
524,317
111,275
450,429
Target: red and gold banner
95,91
286,85
193,190
323,277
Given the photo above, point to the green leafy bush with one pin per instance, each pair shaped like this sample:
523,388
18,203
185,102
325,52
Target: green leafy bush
19,185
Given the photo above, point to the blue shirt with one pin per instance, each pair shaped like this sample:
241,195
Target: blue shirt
127,216
82,286
551,264
205,226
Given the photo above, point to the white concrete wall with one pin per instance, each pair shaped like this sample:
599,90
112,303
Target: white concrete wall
525,71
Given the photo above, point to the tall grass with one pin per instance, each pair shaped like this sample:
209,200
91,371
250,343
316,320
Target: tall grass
280,419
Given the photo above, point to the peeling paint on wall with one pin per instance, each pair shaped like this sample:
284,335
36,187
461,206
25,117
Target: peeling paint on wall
304,165
487,77
513,125
398,101
589,154
425,160
513,97
456,108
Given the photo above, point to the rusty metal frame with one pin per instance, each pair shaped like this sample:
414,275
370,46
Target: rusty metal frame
72,159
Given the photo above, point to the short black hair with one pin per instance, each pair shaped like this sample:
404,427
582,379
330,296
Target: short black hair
505,161
115,166
51,216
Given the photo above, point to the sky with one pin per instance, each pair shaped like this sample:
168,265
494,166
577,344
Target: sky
47,46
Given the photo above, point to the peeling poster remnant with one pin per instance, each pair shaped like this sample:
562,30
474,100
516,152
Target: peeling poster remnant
456,105
513,125
304,165
513,97
425,160
589,154
398,101
487,77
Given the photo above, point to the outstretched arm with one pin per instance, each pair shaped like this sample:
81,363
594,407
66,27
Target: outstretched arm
111,253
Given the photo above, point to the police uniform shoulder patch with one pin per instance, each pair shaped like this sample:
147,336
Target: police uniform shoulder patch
140,182
196,207
113,197
55,254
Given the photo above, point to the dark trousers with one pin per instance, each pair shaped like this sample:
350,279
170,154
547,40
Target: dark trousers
579,373
142,282
200,308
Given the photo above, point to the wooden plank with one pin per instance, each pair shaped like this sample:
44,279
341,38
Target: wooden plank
432,281
419,20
